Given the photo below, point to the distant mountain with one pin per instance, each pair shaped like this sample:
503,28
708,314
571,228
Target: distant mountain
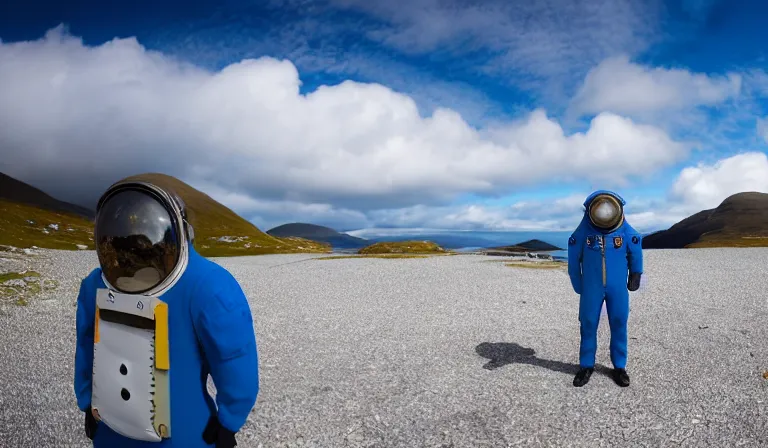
740,220
318,233
21,193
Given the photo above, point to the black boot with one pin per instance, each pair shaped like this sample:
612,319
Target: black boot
621,377
582,377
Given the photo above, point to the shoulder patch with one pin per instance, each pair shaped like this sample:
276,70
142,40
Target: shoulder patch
635,239
571,241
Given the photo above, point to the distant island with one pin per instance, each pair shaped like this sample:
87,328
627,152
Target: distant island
741,220
528,247
402,247
320,234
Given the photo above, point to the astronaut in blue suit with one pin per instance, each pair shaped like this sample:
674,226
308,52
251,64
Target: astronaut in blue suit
140,374
605,261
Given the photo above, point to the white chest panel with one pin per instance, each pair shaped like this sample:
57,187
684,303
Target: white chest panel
123,385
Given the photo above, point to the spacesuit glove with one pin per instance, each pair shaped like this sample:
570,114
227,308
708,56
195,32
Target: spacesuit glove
633,284
90,424
218,435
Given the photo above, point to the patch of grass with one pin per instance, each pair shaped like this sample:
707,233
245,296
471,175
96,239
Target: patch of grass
536,264
220,232
21,294
25,226
17,275
378,256
732,241
403,247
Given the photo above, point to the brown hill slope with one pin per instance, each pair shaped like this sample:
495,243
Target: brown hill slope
218,230
741,220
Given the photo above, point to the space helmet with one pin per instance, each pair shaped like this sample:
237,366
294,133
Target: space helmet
605,210
142,238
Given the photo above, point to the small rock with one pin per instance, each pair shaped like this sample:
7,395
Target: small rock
53,226
82,247
695,421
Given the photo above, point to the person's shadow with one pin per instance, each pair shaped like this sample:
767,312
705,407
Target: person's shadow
500,354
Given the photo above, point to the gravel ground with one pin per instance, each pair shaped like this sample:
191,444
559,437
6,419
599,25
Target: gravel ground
454,351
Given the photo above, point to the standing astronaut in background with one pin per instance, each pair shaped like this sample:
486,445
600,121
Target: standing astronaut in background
605,261
152,323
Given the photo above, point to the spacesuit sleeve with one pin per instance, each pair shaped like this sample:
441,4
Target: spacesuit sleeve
635,253
84,347
224,326
575,250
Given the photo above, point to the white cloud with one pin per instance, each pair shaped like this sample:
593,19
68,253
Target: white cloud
76,118
545,39
706,186
762,128
696,188
621,86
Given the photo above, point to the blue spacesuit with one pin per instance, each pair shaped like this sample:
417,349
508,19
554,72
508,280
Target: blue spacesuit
605,261
203,326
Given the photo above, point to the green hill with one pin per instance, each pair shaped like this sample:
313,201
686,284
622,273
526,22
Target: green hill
741,220
218,230
403,247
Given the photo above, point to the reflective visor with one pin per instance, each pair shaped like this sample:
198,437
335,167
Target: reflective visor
136,241
606,212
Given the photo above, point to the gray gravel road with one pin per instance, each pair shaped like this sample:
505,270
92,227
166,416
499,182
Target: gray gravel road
448,351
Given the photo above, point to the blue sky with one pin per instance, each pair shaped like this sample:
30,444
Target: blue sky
536,105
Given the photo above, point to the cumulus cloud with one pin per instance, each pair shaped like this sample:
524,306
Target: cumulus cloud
621,86
74,118
706,186
696,188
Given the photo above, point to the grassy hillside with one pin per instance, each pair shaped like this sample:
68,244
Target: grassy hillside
403,247
26,226
220,232
741,220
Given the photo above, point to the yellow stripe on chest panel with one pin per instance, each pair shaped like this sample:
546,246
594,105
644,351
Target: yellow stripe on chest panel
130,386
